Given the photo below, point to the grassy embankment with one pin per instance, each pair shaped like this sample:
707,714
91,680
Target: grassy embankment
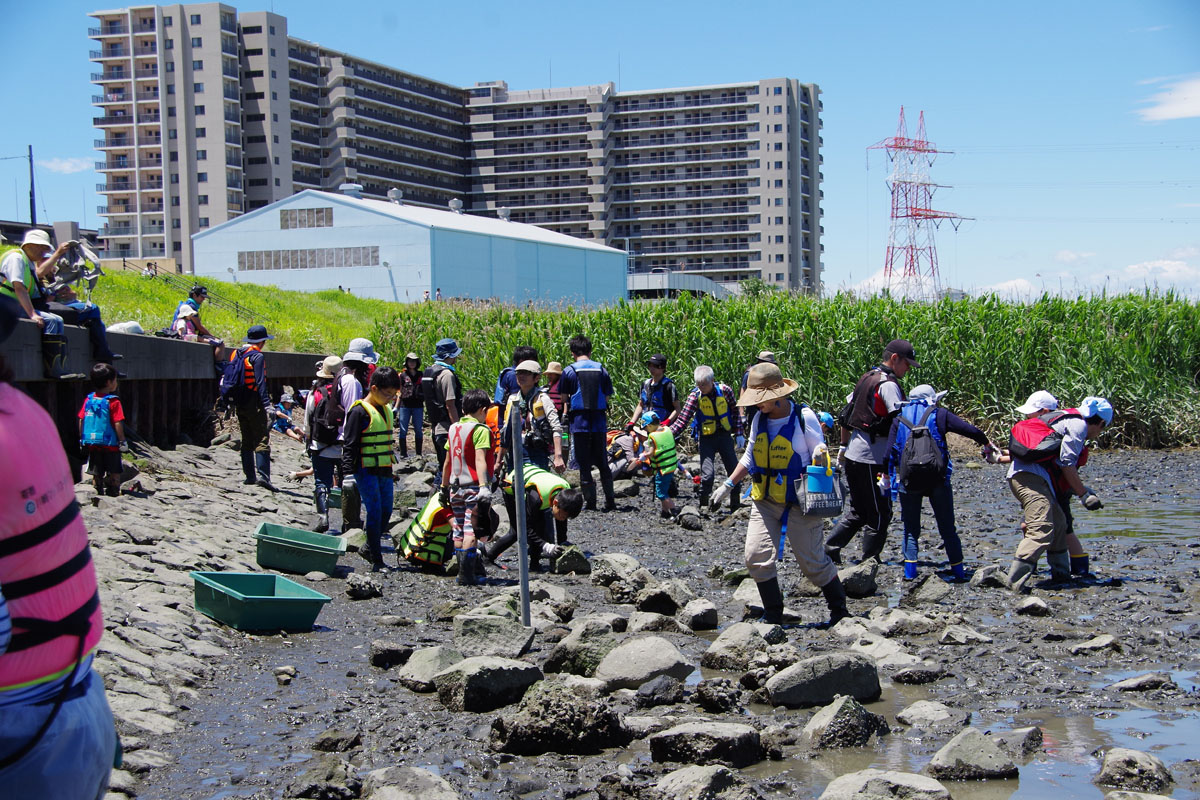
1141,351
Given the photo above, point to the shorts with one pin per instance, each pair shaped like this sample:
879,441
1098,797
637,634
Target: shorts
101,461
662,485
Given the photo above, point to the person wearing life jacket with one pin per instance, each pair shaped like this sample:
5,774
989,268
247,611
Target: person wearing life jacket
922,409
325,456
587,386
410,407
542,430
1035,472
785,437
624,454
254,409
553,376
549,503
22,270
367,458
102,431
866,421
658,451
353,380
1080,561
466,480
658,393
716,427
506,381
57,738
443,392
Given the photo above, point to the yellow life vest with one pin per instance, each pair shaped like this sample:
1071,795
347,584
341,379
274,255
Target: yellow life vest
709,413
29,278
776,465
665,461
426,542
377,438
545,482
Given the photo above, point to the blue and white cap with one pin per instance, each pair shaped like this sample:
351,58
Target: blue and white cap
1097,407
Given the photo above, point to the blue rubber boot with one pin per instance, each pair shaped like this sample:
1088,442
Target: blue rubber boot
1079,564
910,570
958,573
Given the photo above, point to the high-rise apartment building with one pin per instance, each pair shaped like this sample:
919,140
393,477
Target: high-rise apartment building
208,113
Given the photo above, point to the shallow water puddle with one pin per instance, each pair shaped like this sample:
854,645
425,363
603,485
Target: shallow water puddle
1176,520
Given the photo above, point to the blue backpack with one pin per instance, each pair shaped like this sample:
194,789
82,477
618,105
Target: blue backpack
97,422
233,378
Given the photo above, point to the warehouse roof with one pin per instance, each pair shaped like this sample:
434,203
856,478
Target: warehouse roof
429,218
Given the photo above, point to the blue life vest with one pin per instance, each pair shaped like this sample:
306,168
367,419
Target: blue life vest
97,422
776,466
913,411
587,395
654,400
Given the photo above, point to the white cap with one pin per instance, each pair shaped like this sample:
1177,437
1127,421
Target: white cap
1039,401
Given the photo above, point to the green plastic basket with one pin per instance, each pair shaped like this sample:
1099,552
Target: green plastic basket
252,601
296,550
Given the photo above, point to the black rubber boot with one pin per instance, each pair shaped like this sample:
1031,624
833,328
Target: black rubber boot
498,546
610,497
262,466
248,467
872,543
321,498
835,598
589,496
351,508
466,565
772,599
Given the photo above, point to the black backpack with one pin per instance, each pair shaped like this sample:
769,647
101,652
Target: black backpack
922,467
327,415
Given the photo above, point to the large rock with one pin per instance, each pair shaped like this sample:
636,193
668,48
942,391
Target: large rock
859,580
484,683
326,777
817,681
898,622
572,561
733,649
486,635
665,598
879,784
932,714
993,576
963,635
650,622
1033,607
406,783
662,691
625,488
582,650
917,674
363,587
843,723
718,695
927,589
637,660
1020,742
699,614
971,756
1143,683
728,743
562,601
609,567
335,740
1098,644
422,665
1133,770
555,718
714,782
884,652
385,654
690,519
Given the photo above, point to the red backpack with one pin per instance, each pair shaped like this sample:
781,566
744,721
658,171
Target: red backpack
1034,440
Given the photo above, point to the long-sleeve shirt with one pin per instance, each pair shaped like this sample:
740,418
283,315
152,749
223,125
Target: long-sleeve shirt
258,362
349,391
947,422
357,420
692,405
1074,433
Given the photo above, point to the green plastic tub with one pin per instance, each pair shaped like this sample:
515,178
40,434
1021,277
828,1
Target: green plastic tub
335,498
252,601
295,550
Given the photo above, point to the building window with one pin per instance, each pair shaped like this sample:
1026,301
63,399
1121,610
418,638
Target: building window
272,29
174,177
305,218
197,88
779,145
198,111
201,177
778,183
171,134
273,75
256,140
204,222
201,132
169,44
167,22
779,220
197,41
255,161
253,51
778,201
257,182
275,137
778,109
778,165
277,161
170,88
778,277
197,64
254,95
277,181
779,258
779,128
272,52
175,201
174,156
255,117
274,95
778,240
195,19
202,199
177,245
315,258
257,73
175,224
778,90
252,29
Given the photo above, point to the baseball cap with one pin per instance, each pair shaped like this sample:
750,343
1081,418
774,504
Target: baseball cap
529,365
1039,401
257,333
902,348
649,418
657,360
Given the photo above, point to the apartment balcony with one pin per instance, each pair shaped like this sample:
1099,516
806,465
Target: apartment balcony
521,186
723,119
682,248
109,52
656,142
228,47
148,119
690,176
450,184
308,180
640,214
307,77
147,97
110,76
306,119
231,92
370,113
233,161
629,107
306,138
306,158
445,95
366,151
154,230
642,160
659,232
145,73
151,208
114,119
575,166
228,24
517,150
232,115
149,141
296,55
105,99
455,150
151,184
515,203
148,250
308,98
108,30
102,166
230,70
428,109
563,130
115,142
115,187
144,28
233,182
233,139
546,219
120,230
499,116
646,197
145,50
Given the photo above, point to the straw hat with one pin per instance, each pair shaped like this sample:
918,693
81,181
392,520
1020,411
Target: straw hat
329,367
553,368
765,383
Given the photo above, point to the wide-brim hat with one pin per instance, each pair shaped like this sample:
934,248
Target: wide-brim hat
553,368
765,383
329,367
447,348
187,311
35,236
413,357
928,394
365,347
765,356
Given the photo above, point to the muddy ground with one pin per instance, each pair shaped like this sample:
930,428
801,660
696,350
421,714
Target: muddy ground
218,725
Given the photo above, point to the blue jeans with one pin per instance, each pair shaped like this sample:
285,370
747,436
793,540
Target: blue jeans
405,415
942,503
54,323
376,492
74,758
322,470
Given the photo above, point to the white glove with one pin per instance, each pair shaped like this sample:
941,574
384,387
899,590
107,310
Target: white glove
721,493
124,447
484,494
820,451
551,550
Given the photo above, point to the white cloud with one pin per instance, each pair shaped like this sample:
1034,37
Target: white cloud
1163,273
1071,256
1179,99
1015,289
66,166
1190,251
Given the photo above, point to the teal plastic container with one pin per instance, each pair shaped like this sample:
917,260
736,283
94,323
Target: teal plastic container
818,481
296,550
252,601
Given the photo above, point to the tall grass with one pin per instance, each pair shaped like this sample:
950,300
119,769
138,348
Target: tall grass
1140,351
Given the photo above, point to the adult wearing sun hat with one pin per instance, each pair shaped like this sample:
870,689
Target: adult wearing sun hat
22,271
784,439
443,394
410,405
353,379
325,456
254,410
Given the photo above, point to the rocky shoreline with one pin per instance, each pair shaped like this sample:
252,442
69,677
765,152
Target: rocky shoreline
639,679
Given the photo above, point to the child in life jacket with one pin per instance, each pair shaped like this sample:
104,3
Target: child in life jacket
658,450
466,479
102,431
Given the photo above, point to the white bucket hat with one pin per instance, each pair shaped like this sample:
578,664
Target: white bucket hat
34,236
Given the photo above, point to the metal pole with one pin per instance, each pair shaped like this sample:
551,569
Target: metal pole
519,499
32,202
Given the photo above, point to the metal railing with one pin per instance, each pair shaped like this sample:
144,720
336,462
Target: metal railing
109,52
630,214
299,56
639,161
215,300
108,30
456,150
114,119
723,119
505,115
624,197
700,248
669,178
628,107
379,77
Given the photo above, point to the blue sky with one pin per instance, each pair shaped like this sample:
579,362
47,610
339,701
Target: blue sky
1075,127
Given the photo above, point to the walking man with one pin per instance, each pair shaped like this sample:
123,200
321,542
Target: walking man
867,420
367,458
410,406
587,386
442,391
717,428
254,410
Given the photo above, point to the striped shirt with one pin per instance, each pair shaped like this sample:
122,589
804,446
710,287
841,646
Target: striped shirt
692,404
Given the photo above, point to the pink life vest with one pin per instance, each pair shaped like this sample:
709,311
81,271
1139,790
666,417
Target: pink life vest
46,570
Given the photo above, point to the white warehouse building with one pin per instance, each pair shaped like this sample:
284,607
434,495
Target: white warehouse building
317,240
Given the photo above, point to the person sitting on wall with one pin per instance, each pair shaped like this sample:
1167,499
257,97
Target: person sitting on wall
22,270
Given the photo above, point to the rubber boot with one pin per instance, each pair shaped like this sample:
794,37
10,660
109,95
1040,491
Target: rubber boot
498,546
481,576
321,498
872,543
1079,564
910,570
1060,566
835,598
589,496
610,497
248,467
958,573
772,600
834,553
464,567
54,355
1019,573
262,465
351,508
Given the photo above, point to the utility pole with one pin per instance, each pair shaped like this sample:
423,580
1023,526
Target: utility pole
32,199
